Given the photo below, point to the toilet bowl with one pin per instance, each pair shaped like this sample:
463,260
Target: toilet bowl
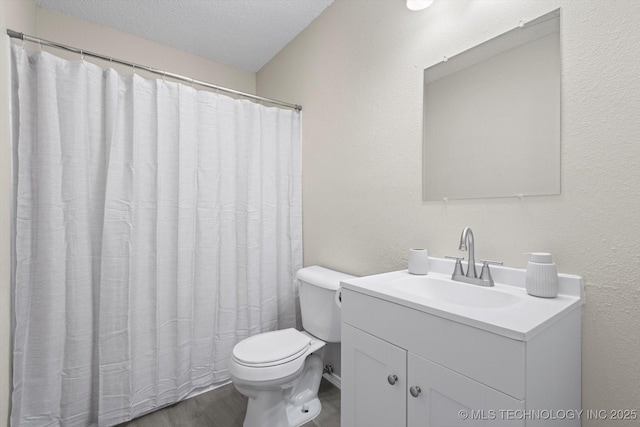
280,371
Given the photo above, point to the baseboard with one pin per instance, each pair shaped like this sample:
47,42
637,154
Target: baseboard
333,379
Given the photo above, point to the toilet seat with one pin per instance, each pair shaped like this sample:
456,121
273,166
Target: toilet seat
271,348
271,356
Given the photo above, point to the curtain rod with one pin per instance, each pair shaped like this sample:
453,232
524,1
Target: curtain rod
82,52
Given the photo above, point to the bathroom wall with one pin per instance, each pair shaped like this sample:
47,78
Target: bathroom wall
24,16
107,41
357,71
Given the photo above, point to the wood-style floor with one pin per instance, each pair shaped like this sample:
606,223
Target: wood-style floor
225,407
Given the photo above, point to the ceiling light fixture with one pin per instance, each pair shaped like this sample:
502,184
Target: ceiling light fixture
418,4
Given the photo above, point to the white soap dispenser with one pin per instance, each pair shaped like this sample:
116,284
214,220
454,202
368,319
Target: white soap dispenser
542,275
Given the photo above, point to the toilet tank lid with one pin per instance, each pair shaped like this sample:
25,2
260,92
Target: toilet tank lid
323,277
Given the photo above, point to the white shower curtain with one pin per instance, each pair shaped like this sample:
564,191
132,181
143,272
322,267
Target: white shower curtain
156,226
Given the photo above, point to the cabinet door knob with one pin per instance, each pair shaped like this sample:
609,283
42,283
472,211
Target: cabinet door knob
392,379
415,391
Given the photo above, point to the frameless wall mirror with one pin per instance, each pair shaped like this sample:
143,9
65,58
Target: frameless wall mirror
492,117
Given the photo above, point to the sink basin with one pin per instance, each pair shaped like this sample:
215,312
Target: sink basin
451,292
504,309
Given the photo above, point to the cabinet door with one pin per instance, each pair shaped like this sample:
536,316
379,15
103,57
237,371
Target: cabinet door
448,399
368,366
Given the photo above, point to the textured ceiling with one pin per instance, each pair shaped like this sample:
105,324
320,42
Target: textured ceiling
242,33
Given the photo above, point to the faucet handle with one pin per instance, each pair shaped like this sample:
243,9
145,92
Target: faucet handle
485,275
457,270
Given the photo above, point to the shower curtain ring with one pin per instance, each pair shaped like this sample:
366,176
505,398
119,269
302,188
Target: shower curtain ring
164,77
39,43
134,68
81,55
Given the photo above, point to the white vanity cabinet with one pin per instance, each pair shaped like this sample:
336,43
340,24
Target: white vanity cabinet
375,376
403,366
446,398
384,385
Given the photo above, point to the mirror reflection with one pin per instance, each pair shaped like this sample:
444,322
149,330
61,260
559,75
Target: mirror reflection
492,117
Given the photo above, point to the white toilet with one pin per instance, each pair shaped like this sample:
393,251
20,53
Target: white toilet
280,371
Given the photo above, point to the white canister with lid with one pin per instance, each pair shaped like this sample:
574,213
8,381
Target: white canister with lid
542,275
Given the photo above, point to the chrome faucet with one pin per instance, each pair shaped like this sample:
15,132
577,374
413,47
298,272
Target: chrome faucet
467,243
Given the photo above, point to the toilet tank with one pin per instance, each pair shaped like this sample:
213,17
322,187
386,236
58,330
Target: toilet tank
321,315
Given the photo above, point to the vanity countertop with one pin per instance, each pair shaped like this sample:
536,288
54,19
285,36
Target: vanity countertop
521,318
